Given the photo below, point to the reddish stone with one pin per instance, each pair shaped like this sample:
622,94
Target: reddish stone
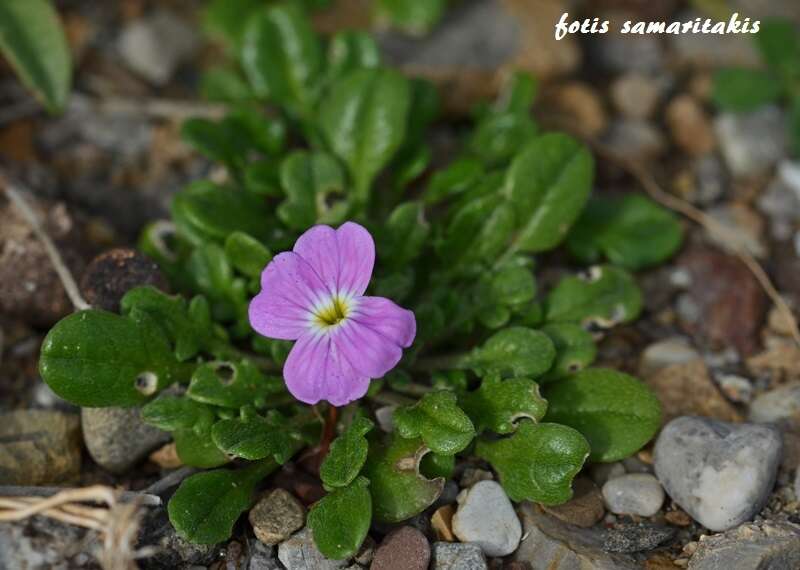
405,548
731,304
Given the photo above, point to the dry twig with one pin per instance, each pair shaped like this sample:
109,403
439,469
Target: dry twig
15,194
648,182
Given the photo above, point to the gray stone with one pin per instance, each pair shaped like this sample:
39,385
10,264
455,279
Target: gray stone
637,537
117,438
673,350
710,179
767,545
620,53
550,544
262,557
385,418
743,227
635,95
39,447
277,516
457,556
300,553
40,544
635,139
752,143
780,406
781,200
634,494
171,550
602,472
154,46
718,472
486,517
713,50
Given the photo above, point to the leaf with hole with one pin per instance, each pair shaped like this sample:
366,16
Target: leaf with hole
94,358
314,185
616,413
538,462
437,419
497,405
341,519
575,350
233,384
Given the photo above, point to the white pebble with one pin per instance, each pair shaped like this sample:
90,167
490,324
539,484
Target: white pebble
486,517
634,494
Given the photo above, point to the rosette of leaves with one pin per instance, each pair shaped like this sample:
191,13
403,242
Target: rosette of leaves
500,369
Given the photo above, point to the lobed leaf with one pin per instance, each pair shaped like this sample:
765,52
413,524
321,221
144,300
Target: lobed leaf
575,350
347,455
497,405
233,384
438,420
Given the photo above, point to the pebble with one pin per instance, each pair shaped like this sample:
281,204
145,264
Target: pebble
117,438
687,389
300,553
767,544
781,200
262,557
718,472
473,475
550,544
39,544
584,509
634,494
618,53
385,418
602,472
277,516
752,143
486,517
156,45
689,126
115,272
405,548
39,447
633,139
712,50
635,96
745,229
442,523
457,556
780,406
710,179
580,107
663,353
637,537
736,388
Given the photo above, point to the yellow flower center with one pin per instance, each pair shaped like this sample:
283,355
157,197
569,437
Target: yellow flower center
333,313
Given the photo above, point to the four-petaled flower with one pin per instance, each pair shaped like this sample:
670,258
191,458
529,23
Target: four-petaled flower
314,294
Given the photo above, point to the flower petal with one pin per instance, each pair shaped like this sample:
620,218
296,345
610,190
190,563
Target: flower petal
343,258
316,370
290,288
387,318
368,351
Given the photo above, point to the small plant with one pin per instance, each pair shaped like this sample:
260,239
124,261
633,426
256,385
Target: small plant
439,316
741,90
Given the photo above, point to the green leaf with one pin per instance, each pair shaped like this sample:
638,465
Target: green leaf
189,330
604,297
617,413
256,438
744,89
498,404
196,448
94,358
575,350
632,231
438,420
222,141
508,289
404,235
341,520
363,119
172,414
350,50
458,177
412,16
282,57
264,134
498,136
347,455
224,84
206,210
398,490
248,255
311,182
33,41
514,352
548,183
262,178
435,465
777,40
538,462
518,94
233,384
205,507
225,20
212,275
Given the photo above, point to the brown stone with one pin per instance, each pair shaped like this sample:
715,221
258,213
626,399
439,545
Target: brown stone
442,523
166,457
730,303
687,389
585,509
277,516
781,363
575,106
405,548
112,274
39,447
677,518
689,126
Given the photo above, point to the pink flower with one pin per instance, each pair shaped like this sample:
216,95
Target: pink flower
314,294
